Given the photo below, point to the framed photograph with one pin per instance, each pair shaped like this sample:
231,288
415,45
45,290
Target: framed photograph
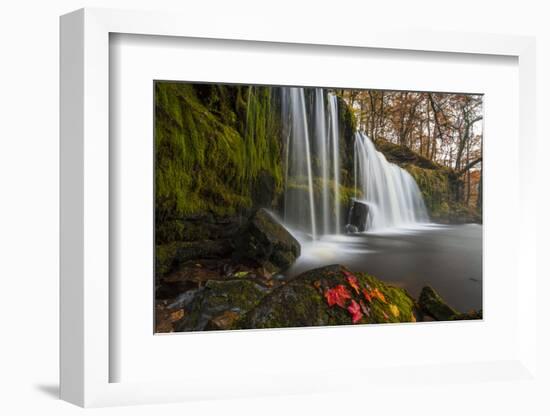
247,215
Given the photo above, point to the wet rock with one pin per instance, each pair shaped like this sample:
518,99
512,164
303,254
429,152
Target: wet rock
472,315
184,299
351,229
268,243
358,215
303,301
216,298
169,257
433,305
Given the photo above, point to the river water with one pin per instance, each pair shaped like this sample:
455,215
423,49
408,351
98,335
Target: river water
446,257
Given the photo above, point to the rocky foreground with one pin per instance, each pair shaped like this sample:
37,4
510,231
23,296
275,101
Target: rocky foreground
331,295
239,284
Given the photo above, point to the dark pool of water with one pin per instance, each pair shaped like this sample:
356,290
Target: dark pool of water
448,258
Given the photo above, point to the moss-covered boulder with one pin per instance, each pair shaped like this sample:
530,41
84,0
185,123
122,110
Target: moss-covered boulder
432,304
218,304
331,295
268,243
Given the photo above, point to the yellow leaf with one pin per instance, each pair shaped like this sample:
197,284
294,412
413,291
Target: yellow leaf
394,310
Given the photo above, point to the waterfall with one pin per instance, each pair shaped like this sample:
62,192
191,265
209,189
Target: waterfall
333,105
299,197
324,162
313,166
312,175
390,192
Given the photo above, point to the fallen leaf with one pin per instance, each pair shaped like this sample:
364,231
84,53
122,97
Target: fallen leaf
355,312
413,319
386,317
177,315
367,295
241,274
225,320
376,292
352,280
337,296
394,310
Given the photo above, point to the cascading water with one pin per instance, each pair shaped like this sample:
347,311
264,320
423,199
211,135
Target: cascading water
313,165
335,140
299,196
312,177
390,192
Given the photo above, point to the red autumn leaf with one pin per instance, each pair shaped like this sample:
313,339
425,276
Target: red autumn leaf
367,295
355,311
352,280
337,296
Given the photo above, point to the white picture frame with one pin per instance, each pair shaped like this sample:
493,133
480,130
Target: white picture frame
85,212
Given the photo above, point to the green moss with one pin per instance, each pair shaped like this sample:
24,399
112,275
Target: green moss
206,161
432,304
435,187
216,297
164,258
302,302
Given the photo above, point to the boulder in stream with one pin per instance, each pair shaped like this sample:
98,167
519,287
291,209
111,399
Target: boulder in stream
331,295
268,243
433,305
358,216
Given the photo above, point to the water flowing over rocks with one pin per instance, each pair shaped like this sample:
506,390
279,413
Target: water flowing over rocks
391,193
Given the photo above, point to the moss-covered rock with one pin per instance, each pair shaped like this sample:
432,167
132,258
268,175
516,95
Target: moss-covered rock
169,256
432,304
198,227
215,300
268,243
402,155
304,301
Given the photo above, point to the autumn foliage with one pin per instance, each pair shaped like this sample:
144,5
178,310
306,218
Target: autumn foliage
359,308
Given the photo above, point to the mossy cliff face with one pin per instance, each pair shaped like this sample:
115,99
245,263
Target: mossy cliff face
217,151
441,187
217,159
